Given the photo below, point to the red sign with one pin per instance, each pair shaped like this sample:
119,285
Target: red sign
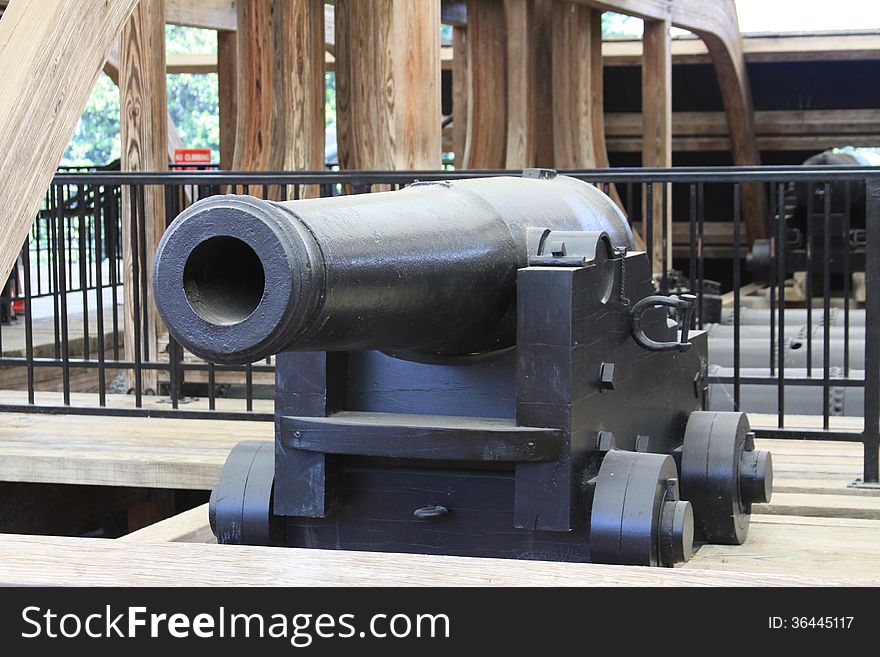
192,157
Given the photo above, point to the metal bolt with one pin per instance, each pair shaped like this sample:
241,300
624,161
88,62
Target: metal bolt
676,532
605,442
606,376
756,477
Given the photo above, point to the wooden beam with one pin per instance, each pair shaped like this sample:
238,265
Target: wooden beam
111,69
521,146
94,450
460,88
144,147
62,561
279,86
194,63
800,130
689,49
657,140
487,98
301,70
573,130
205,14
227,92
597,110
388,84
543,39
716,24
255,60
47,50
187,527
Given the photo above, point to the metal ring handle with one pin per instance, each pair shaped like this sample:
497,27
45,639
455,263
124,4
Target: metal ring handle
685,303
430,512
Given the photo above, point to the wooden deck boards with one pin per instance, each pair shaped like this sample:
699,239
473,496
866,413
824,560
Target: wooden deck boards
815,527
41,560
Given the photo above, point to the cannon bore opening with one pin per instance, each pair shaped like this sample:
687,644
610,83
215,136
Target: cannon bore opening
223,280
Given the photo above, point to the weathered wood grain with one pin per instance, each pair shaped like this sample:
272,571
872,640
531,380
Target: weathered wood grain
50,56
205,14
388,84
187,527
227,93
300,103
460,88
41,560
144,147
716,24
487,96
657,135
573,144
520,147
255,62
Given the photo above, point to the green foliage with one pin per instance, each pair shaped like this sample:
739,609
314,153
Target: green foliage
192,102
189,40
330,98
194,107
96,139
614,24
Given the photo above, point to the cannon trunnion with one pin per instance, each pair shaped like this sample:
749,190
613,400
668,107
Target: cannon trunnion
542,407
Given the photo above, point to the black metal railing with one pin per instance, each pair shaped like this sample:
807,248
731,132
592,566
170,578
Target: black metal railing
74,258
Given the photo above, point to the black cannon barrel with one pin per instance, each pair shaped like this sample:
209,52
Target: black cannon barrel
430,268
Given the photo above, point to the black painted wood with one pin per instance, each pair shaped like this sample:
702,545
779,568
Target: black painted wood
411,436
506,442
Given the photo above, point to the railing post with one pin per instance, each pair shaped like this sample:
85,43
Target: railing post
871,433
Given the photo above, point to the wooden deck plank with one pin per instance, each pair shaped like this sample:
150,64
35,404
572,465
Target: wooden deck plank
798,548
149,452
188,527
59,561
815,526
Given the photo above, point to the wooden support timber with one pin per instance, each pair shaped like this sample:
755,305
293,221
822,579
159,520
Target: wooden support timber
255,63
487,95
279,86
521,73
111,69
716,24
205,14
388,84
47,50
144,147
460,86
227,93
572,87
61,561
657,136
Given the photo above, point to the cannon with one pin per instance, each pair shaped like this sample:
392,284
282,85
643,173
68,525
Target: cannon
811,238
476,367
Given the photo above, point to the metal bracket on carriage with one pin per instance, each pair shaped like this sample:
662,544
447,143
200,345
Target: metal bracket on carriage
568,248
684,305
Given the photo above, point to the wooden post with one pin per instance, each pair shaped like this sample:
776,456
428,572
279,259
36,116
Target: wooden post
388,84
227,91
461,83
574,147
144,127
280,86
657,131
543,38
487,98
300,99
47,50
520,150
255,53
